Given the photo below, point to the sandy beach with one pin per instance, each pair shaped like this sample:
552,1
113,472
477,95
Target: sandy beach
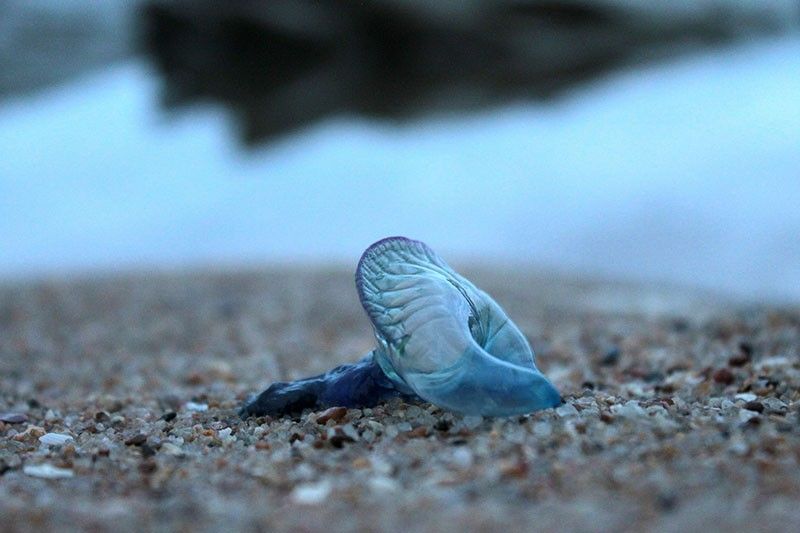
682,411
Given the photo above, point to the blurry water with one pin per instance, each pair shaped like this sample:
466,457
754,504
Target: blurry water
686,172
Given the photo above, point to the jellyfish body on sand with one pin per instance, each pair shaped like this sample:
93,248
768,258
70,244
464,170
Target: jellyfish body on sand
439,339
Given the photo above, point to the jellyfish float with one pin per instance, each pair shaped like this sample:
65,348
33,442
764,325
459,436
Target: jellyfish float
439,339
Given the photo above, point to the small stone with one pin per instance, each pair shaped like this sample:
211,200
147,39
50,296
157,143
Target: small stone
746,348
515,469
195,378
193,406
376,427
225,434
606,418
472,421
723,376
32,432
173,449
462,457
442,425
776,361
746,396
774,405
136,440
726,404
739,447
542,429
566,410
654,376
350,431
361,463
111,404
169,416
311,493
629,409
414,411
148,466
738,360
47,471
337,437
147,450
13,418
334,413
102,416
754,405
382,467
419,432
11,463
746,415
383,484
54,439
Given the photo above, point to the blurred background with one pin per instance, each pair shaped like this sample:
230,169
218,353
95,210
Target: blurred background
645,141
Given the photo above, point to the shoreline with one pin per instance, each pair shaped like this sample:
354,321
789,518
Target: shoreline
680,416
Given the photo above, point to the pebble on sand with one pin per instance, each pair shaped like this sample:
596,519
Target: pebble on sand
13,418
30,433
311,493
136,440
566,410
745,415
47,471
193,406
629,409
334,413
746,396
171,449
54,439
724,376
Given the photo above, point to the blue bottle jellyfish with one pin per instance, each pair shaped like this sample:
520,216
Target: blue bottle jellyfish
439,338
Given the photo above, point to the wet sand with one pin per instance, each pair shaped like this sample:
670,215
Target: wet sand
682,413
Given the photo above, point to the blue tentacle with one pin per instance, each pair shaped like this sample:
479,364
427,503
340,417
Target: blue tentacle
360,384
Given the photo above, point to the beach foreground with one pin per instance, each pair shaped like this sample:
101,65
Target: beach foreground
682,411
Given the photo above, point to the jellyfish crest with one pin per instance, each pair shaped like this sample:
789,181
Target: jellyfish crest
444,338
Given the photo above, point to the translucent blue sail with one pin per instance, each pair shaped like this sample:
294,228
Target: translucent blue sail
439,338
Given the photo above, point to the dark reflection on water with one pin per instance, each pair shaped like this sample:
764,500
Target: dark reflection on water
684,171
284,64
